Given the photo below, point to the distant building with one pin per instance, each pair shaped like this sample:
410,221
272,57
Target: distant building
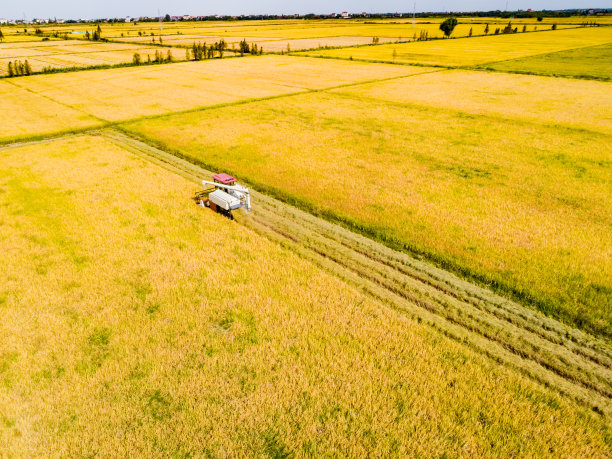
345,15
3,21
60,21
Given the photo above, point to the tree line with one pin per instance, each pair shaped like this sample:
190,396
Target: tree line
448,25
18,68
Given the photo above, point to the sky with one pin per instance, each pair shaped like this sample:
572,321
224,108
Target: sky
91,9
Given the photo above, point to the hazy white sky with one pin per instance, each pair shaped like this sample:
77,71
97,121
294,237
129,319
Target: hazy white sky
85,9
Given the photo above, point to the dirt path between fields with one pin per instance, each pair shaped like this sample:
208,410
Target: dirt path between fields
547,351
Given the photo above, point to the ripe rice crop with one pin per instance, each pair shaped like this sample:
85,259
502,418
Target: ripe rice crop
517,204
122,94
135,323
476,50
25,114
593,62
571,103
73,53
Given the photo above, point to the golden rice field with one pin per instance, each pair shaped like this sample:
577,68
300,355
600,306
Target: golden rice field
136,324
570,103
593,62
300,29
528,213
60,101
74,53
268,44
475,50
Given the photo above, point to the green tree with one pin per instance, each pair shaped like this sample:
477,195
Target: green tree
220,47
27,70
508,28
244,47
169,57
540,17
11,71
167,18
524,28
554,27
470,34
486,29
136,59
187,55
448,25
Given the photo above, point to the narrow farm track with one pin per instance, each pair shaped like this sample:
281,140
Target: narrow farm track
574,363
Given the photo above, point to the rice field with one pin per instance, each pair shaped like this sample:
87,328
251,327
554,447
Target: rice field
122,94
405,300
135,323
560,102
300,29
74,53
527,213
593,62
25,114
475,50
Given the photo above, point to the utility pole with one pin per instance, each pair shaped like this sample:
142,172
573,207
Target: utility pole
161,27
413,13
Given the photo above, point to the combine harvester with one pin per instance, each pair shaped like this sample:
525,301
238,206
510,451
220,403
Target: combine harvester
224,195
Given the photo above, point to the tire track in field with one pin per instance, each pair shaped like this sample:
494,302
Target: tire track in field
547,351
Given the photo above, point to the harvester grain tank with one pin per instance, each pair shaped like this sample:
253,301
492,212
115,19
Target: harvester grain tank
224,195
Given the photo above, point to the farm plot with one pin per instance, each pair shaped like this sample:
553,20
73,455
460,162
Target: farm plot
476,50
526,212
119,337
592,63
570,103
313,43
73,53
25,114
186,40
122,94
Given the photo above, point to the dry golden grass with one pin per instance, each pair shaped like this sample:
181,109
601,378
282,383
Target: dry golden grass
476,50
572,103
517,204
135,323
121,94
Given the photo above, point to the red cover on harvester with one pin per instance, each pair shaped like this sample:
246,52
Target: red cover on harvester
224,178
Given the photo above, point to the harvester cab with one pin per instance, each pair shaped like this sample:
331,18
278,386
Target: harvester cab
224,195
